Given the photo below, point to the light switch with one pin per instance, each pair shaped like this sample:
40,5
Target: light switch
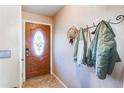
5,53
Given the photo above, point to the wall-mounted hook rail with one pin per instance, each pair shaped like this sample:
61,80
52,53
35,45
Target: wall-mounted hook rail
119,18
73,31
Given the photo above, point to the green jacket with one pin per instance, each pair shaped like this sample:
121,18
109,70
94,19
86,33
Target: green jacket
102,53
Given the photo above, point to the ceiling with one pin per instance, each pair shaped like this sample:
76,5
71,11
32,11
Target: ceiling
46,10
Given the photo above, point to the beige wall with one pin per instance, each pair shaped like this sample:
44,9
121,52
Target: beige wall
63,66
36,17
10,31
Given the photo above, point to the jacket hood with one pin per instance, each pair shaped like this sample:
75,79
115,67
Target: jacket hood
107,25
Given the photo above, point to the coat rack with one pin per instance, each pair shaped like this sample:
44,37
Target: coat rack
119,18
73,31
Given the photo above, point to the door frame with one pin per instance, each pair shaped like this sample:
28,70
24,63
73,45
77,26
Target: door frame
23,48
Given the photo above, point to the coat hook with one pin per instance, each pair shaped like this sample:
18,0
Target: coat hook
94,24
119,19
87,27
109,20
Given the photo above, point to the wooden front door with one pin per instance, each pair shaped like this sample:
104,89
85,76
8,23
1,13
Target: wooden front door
37,49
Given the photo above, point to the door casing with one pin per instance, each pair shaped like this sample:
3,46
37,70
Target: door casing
23,48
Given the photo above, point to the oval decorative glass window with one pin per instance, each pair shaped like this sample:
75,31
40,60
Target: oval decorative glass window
38,43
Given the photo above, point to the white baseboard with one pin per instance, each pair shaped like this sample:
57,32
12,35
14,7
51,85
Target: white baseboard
59,79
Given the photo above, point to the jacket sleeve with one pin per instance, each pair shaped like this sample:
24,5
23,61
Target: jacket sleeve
76,49
105,43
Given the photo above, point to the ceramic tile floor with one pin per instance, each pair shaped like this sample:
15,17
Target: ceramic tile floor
45,81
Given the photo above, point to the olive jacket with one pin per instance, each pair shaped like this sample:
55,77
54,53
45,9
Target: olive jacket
102,53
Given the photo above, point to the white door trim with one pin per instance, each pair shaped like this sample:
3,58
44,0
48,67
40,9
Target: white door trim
23,48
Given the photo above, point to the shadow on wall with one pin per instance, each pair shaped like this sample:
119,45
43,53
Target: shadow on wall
86,76
122,75
83,75
118,71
